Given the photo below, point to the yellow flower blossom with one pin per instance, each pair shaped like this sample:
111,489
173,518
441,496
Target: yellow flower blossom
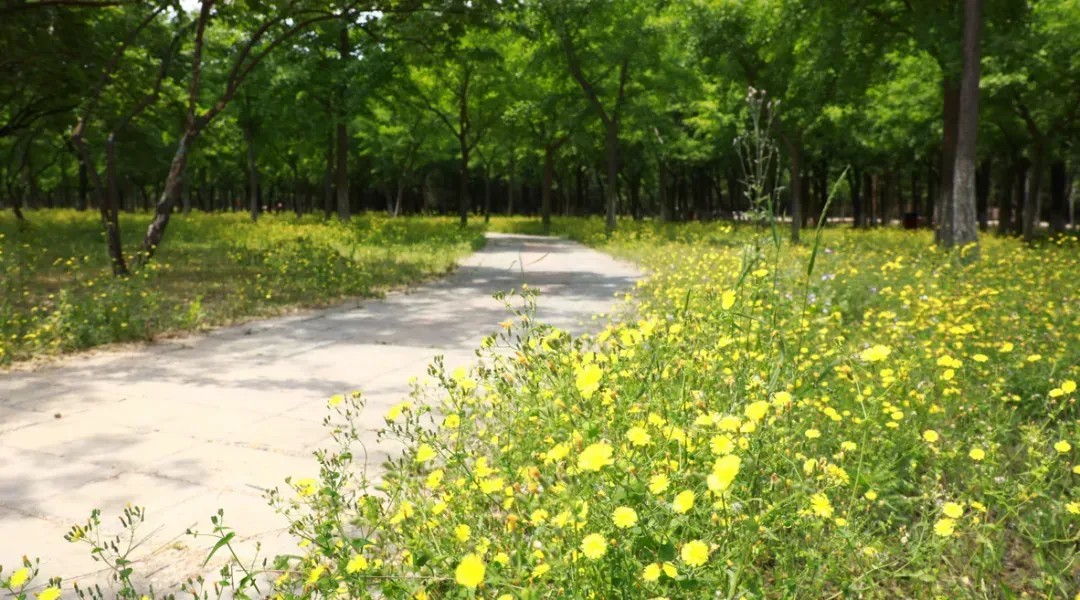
953,510
624,517
594,546
470,571
595,457
695,553
651,573
875,353
19,577
587,380
683,502
821,506
945,527
659,483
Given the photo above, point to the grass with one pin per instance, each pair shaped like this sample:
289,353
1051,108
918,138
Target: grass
212,270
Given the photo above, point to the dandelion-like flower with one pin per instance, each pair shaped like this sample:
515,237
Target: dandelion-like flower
470,571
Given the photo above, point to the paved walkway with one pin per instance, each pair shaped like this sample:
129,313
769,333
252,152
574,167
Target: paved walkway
188,426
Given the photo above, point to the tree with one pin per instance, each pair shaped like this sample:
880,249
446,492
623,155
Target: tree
271,32
963,228
603,60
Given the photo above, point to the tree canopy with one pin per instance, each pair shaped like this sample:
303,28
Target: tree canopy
614,107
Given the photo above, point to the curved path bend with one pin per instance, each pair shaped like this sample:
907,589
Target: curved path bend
185,427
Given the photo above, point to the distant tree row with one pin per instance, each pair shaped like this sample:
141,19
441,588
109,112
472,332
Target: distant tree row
577,107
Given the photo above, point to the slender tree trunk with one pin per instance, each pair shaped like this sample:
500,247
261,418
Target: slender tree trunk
1005,200
875,204
84,187
487,196
1031,194
916,193
342,154
545,193
964,229
662,192
823,192
253,172
579,195
110,219
943,218
611,193
341,172
1058,204
399,196
463,184
1019,193
982,194
854,183
511,187
169,195
734,192
796,190
328,177
635,198
931,194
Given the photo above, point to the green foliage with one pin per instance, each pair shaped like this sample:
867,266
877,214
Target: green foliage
217,270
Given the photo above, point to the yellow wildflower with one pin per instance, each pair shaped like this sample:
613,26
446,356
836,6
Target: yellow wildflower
595,457
470,571
945,527
624,517
683,502
695,553
594,546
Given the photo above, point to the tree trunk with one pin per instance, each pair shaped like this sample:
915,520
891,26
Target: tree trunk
931,194
169,195
253,172
1004,200
662,192
982,194
1058,205
110,219
611,192
487,196
854,183
328,177
943,207
84,187
796,191
1019,193
635,198
916,193
874,201
545,192
964,229
342,176
1031,194
463,184
511,187
398,197
823,192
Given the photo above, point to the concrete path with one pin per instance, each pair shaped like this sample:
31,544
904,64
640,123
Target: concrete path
188,426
